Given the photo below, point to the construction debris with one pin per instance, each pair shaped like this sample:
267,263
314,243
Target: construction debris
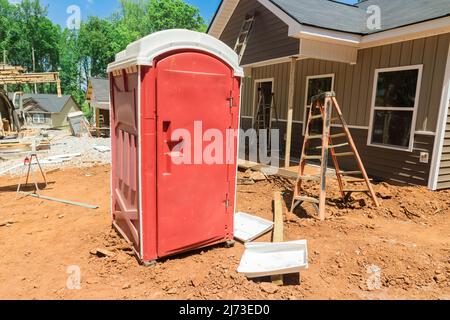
102,253
273,259
78,124
63,151
248,228
73,203
7,223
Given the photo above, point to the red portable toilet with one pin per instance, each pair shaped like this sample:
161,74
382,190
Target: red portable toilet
171,92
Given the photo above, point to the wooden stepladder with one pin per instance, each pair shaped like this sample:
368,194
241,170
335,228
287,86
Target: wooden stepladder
244,35
323,112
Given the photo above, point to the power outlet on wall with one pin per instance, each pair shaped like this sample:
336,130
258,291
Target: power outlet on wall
424,157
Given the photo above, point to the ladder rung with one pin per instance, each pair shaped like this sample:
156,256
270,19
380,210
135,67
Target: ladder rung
344,154
356,180
313,157
313,137
349,173
338,135
309,178
307,199
354,191
319,116
335,119
335,146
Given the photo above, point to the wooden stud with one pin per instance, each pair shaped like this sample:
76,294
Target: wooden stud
278,231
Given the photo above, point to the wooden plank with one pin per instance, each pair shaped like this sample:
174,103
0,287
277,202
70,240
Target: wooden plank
278,231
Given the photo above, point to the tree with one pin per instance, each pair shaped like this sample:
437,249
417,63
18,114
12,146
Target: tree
148,16
32,30
80,54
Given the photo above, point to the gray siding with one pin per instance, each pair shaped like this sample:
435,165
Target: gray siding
444,170
354,86
354,83
269,38
382,164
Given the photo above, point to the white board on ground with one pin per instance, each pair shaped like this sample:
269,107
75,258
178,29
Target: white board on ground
248,228
102,148
271,259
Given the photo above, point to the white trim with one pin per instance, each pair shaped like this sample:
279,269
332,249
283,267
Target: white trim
413,110
297,30
440,131
141,225
305,105
425,133
268,62
227,7
246,117
255,89
407,33
325,35
283,16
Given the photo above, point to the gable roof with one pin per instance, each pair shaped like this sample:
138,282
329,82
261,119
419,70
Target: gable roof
98,90
48,102
337,16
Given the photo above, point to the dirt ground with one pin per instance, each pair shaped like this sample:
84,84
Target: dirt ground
401,250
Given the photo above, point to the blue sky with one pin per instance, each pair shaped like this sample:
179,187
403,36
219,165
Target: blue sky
104,8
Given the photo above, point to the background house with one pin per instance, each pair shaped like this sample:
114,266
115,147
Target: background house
98,98
392,81
48,110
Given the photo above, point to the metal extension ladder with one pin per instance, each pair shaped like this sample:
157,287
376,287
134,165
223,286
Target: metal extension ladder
264,116
244,34
329,147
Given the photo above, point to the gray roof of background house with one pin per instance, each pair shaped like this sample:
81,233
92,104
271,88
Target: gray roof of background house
49,102
334,15
100,89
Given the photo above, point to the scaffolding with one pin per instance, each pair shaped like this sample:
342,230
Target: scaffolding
10,75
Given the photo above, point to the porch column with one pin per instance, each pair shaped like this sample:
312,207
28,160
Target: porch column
290,116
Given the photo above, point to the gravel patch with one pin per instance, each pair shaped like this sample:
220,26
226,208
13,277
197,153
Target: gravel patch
62,143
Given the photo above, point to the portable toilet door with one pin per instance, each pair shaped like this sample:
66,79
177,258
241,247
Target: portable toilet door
188,94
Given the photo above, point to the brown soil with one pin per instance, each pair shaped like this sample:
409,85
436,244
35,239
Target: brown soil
408,238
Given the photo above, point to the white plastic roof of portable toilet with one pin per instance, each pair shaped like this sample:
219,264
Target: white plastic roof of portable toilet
145,50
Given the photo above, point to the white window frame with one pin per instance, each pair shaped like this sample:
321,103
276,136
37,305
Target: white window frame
306,106
255,94
41,120
373,108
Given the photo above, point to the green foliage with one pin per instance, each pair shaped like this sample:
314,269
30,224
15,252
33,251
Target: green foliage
87,111
80,54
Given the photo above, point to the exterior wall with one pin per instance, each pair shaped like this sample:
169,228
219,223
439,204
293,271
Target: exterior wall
269,37
354,83
48,120
354,89
444,169
59,120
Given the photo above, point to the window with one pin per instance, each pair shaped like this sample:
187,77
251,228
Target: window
38,118
316,85
396,95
